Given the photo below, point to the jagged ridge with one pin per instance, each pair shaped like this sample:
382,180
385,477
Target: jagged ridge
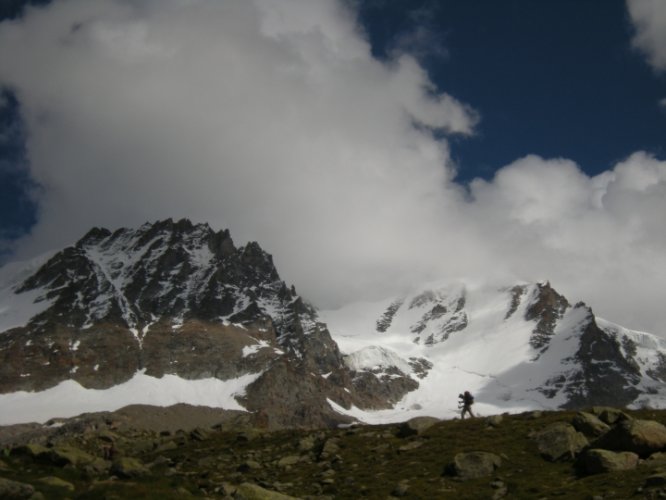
179,298
523,346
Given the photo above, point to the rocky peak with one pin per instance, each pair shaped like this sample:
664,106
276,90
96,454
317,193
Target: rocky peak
607,375
177,298
437,314
94,236
544,306
562,351
166,273
176,269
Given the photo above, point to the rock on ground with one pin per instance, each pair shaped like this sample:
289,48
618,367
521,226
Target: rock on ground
596,461
643,437
609,415
560,441
590,424
11,490
128,467
473,465
69,455
250,491
416,426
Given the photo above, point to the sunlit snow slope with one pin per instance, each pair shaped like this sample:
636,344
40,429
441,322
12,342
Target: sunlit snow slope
515,348
69,398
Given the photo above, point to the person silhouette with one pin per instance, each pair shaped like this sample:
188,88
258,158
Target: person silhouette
466,402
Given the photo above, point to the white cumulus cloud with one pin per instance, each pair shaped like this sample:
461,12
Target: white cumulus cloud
274,120
649,20
599,239
270,118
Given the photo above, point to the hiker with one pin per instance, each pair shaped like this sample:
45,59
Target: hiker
466,402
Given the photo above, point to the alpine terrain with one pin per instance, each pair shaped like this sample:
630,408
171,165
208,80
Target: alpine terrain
167,313
516,348
175,312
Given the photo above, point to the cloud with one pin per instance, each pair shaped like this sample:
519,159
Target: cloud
599,239
274,120
270,118
649,20
662,103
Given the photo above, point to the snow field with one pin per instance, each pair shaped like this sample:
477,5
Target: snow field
490,357
69,398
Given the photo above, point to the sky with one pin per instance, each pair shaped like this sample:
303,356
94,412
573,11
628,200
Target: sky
369,145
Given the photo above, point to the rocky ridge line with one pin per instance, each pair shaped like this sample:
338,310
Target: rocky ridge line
181,299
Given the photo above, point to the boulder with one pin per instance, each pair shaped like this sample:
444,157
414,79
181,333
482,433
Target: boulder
289,460
249,465
473,465
32,450
167,445
107,436
416,426
56,482
560,441
69,455
247,435
401,489
609,415
250,491
494,420
328,473
656,459
596,461
331,447
14,490
97,467
643,437
590,424
139,445
199,434
129,468
307,443
412,445
658,479
208,462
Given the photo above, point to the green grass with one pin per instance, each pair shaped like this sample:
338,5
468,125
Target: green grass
368,464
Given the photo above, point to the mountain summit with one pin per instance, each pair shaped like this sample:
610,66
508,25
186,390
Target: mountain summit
178,299
517,347
175,312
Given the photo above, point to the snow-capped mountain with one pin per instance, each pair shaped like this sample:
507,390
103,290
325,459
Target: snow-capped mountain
175,312
516,348
174,299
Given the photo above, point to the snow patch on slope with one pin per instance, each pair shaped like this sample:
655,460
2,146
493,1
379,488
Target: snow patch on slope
490,356
69,398
16,309
375,358
249,350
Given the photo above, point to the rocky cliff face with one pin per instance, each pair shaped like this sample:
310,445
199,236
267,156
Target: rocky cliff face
178,298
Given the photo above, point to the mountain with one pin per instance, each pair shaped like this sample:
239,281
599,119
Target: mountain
141,310
516,348
174,312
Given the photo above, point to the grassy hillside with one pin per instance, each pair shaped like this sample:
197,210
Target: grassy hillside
90,460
